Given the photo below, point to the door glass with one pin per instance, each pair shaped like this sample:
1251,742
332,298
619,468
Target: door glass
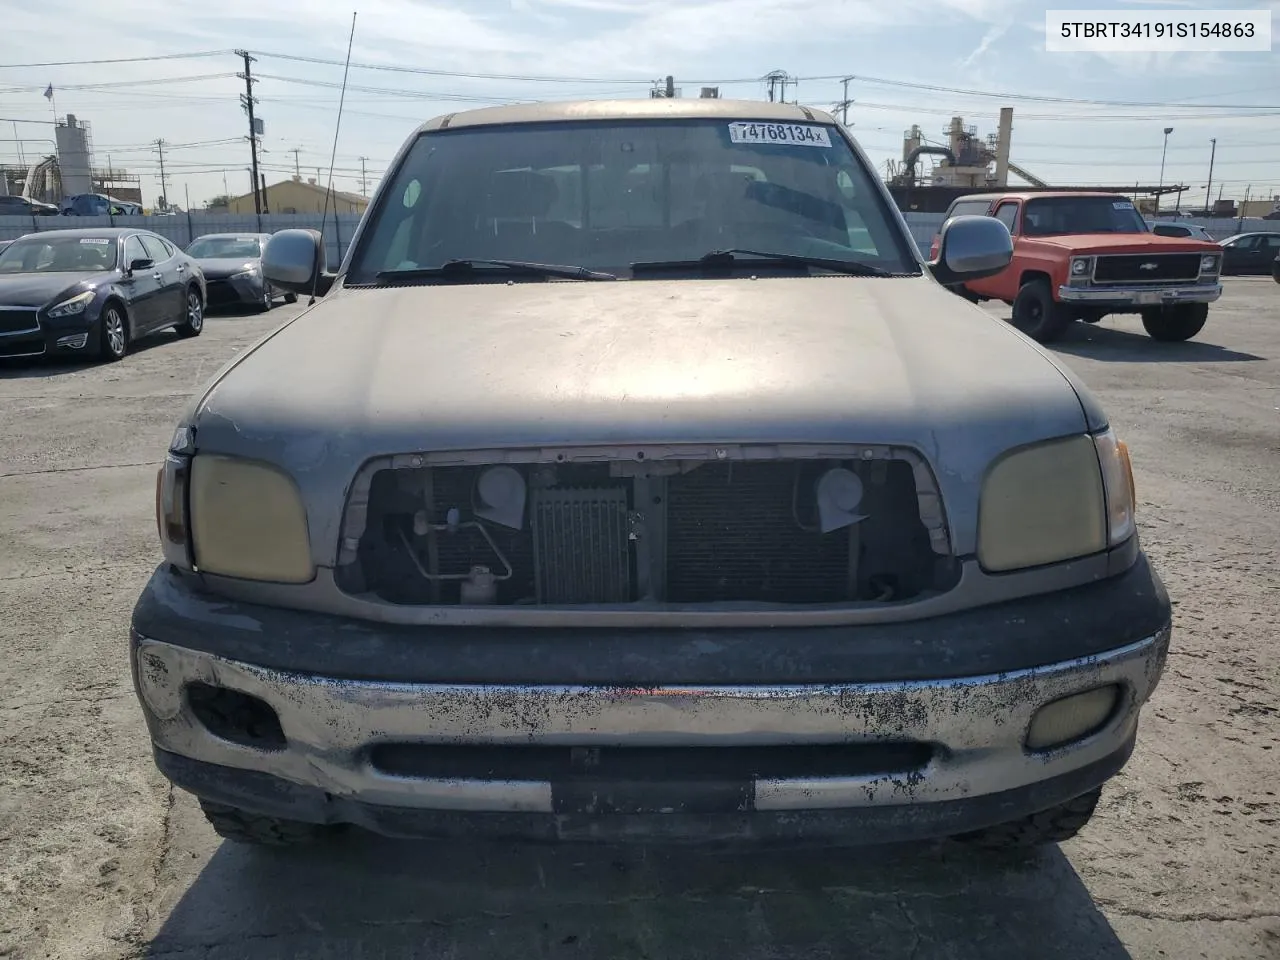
1245,243
1007,213
133,251
155,249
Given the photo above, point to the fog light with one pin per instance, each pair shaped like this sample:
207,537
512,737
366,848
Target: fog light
1071,718
75,342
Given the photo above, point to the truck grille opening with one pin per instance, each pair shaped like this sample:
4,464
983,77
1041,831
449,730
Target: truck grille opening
1147,268
775,532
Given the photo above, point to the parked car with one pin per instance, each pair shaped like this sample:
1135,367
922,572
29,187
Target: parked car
686,506
1166,228
1275,269
1250,253
1081,256
99,205
11,206
94,292
232,265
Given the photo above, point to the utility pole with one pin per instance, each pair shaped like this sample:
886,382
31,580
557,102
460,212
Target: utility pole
164,185
297,170
778,81
843,105
247,100
1163,151
364,187
1208,190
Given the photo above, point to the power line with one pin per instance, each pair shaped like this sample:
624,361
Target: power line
78,63
113,84
1039,99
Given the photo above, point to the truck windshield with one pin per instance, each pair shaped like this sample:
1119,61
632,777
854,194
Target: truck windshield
605,195
1059,215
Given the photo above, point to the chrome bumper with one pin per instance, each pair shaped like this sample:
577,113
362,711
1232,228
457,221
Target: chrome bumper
1142,296
977,725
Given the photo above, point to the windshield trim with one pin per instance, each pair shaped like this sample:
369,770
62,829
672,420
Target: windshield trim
904,245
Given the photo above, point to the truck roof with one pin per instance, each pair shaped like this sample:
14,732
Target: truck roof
658,108
1033,194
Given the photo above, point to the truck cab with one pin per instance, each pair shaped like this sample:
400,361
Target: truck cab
1081,256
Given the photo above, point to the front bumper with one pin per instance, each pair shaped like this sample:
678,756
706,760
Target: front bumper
76,334
1139,296
327,769
233,291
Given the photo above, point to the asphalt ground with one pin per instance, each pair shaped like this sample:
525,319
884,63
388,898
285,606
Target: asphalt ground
99,858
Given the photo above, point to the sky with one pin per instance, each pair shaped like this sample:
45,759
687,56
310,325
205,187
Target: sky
911,62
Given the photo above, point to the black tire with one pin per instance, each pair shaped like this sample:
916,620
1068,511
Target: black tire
193,325
237,825
113,333
290,298
1037,314
1175,323
1049,826
268,299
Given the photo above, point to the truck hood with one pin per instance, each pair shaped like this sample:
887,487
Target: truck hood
370,372
1123,243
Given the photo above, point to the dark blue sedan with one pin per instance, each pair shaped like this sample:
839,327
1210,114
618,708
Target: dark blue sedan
94,292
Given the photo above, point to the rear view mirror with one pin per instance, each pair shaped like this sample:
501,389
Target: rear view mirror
139,264
970,248
294,260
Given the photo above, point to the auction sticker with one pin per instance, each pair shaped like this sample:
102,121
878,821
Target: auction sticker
101,240
792,134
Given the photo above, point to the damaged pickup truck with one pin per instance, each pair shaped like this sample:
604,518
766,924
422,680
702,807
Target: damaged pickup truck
634,478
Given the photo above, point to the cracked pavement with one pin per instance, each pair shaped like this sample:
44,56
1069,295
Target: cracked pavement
98,858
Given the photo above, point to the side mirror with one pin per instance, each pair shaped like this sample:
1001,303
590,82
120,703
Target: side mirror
294,260
139,264
970,248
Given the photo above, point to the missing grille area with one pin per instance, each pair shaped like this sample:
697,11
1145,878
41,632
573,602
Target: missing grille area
762,531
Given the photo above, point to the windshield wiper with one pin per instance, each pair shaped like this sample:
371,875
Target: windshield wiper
461,267
736,256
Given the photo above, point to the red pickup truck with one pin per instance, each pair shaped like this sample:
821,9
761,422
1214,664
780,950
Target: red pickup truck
1081,256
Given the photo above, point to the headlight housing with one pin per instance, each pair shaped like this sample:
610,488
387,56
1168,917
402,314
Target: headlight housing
249,270
1056,501
230,517
248,521
73,305
1081,267
1210,263
1042,504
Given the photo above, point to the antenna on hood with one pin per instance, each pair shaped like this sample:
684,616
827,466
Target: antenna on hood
333,156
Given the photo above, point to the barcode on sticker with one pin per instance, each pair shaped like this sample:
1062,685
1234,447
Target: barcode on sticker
796,134
101,240
1122,205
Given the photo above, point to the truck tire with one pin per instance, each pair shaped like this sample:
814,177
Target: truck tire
237,825
1049,826
1175,323
1037,314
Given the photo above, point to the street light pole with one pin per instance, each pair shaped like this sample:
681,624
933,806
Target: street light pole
1208,190
1163,151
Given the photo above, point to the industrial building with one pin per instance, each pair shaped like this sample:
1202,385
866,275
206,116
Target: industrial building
973,164
68,170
